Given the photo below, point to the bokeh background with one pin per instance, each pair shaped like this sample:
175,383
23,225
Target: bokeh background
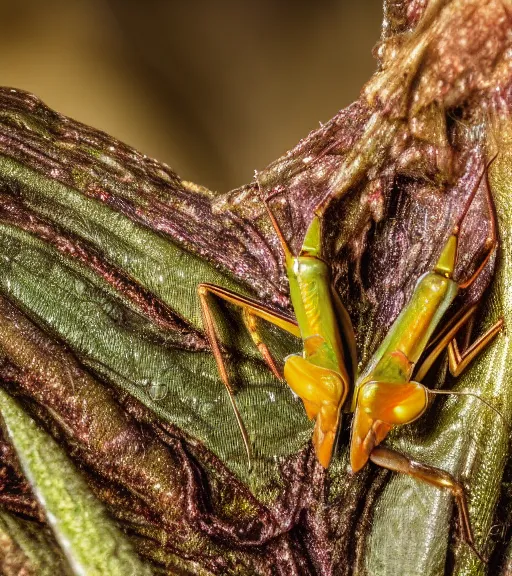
214,88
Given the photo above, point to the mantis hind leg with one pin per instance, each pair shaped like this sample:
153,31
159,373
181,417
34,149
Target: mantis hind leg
251,310
392,460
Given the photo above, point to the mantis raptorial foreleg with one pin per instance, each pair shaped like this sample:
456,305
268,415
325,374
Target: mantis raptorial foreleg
252,309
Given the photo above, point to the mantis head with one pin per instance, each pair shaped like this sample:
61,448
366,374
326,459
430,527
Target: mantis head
322,391
380,406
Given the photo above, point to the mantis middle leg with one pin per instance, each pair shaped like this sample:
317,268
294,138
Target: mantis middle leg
252,309
457,361
397,462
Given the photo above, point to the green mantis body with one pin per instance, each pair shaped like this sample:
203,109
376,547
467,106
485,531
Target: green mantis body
319,376
385,395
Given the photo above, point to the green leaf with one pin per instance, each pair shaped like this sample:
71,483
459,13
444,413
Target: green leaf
35,546
90,541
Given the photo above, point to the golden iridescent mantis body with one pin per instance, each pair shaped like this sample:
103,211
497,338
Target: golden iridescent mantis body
323,374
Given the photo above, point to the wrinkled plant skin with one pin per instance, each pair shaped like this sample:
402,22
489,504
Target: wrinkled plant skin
101,250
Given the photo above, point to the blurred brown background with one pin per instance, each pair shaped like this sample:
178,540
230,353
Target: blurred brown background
214,88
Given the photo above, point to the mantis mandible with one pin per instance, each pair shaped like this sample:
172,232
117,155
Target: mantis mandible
323,375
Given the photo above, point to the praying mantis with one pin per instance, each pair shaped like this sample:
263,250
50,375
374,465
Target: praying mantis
389,391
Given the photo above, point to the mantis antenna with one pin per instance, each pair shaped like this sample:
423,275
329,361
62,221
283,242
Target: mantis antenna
466,393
